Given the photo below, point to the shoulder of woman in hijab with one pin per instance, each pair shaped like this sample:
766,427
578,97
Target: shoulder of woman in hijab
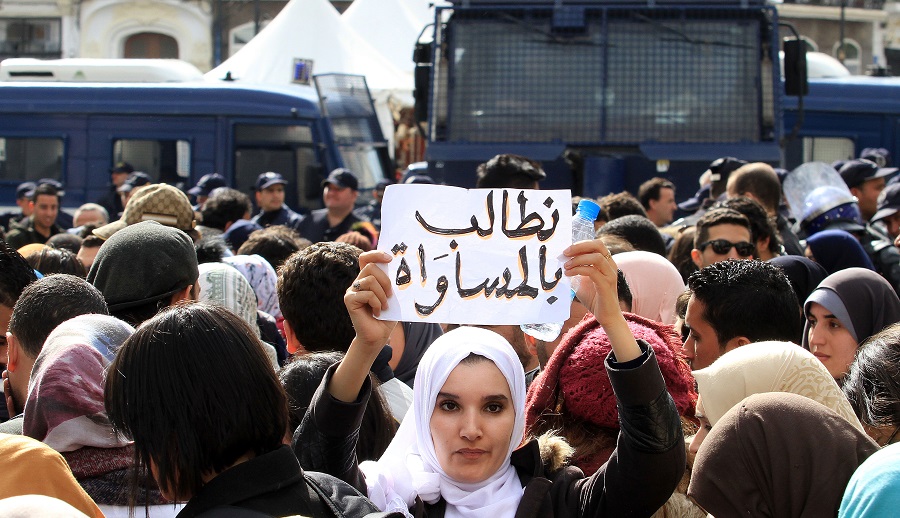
769,367
748,459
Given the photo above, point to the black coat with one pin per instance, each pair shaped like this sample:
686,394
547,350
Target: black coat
274,484
641,474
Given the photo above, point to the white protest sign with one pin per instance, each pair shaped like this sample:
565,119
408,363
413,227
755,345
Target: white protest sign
479,256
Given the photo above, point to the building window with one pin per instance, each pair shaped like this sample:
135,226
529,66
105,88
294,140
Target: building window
151,45
30,38
851,55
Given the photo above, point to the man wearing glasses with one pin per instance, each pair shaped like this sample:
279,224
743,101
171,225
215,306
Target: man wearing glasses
722,234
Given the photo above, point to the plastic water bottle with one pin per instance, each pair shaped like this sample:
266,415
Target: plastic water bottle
582,230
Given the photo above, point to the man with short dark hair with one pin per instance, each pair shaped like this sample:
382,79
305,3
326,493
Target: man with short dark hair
11,219
621,204
511,171
657,196
132,184
15,275
207,184
760,182
734,303
144,268
762,226
866,180
38,227
340,191
42,306
88,250
270,200
274,244
222,208
889,210
722,234
311,288
639,231
112,201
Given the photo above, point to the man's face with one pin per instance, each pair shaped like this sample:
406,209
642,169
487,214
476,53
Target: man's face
662,211
727,232
87,254
892,223
867,193
46,208
88,216
271,198
118,178
702,346
339,199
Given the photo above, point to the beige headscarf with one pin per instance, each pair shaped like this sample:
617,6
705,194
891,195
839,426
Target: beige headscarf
769,367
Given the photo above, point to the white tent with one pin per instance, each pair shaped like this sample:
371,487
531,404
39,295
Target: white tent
313,29
310,29
391,26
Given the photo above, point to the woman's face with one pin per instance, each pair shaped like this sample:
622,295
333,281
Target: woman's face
702,432
473,421
830,341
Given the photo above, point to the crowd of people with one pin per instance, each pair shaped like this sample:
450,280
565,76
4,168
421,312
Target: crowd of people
171,353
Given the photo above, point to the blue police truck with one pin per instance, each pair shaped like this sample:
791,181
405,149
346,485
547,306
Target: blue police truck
176,132
609,93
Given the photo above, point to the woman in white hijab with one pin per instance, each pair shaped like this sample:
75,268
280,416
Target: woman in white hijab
459,451
764,367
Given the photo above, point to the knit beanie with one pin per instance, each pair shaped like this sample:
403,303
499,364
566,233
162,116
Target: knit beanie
143,263
575,380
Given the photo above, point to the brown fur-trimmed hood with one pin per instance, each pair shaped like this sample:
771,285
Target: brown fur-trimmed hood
556,453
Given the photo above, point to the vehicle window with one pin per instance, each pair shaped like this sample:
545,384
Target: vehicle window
365,162
638,77
287,150
167,161
30,158
827,149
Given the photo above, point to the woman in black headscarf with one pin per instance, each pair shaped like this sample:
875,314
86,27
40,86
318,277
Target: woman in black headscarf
847,308
838,250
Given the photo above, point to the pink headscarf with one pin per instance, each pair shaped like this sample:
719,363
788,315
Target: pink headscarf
655,284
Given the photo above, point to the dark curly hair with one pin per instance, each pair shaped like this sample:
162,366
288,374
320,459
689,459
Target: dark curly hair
311,286
748,298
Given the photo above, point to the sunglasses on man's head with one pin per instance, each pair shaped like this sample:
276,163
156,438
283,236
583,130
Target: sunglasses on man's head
723,246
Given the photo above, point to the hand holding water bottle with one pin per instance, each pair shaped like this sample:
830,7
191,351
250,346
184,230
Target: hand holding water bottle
582,230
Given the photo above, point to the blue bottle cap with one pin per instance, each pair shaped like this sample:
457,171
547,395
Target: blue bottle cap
588,209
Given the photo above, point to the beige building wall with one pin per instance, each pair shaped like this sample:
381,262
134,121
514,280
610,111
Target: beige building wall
107,24
821,24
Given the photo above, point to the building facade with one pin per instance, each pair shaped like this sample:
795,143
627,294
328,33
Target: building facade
201,32
206,32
